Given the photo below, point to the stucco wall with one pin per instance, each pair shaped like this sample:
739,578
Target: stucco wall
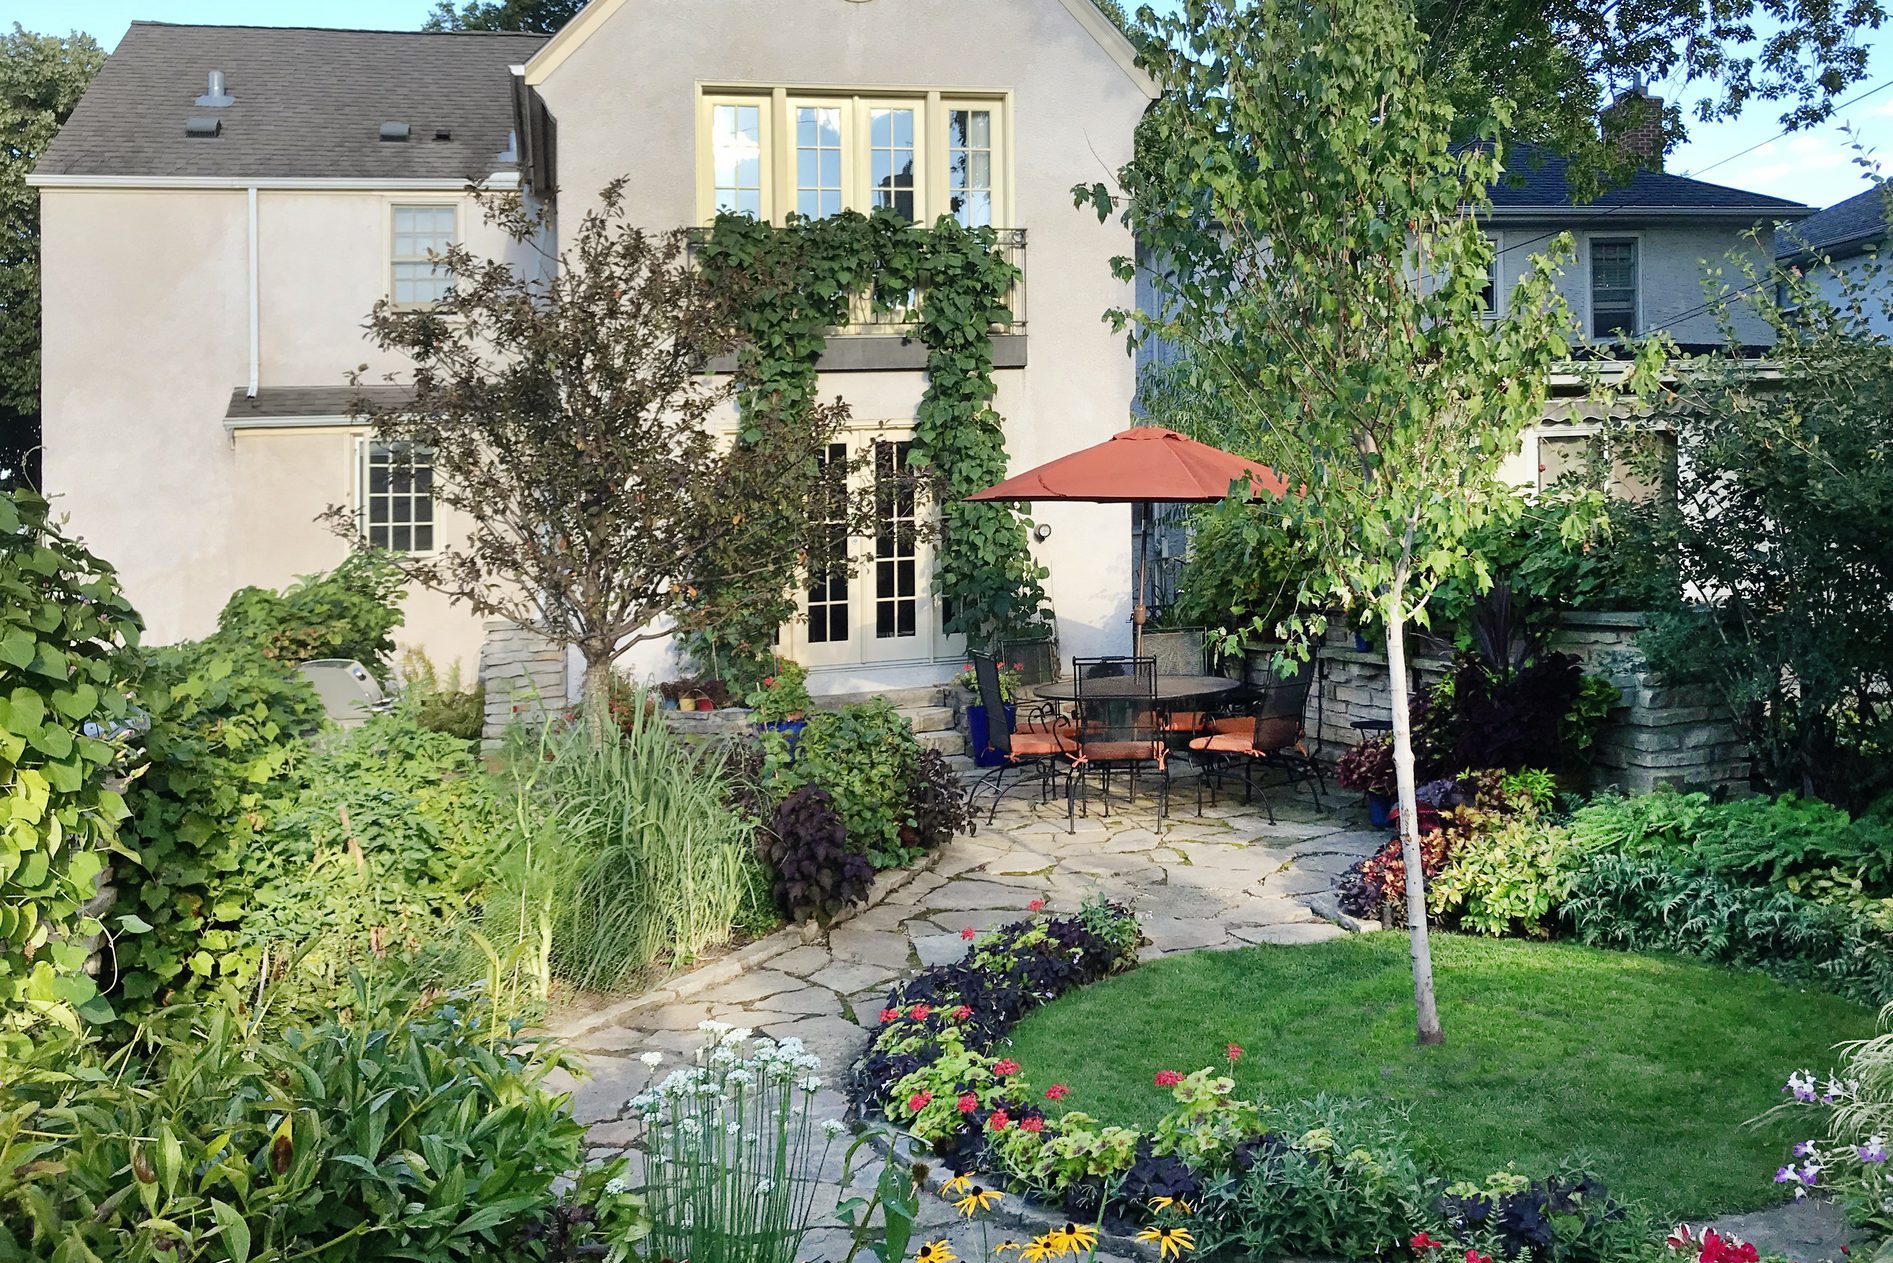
147,333
625,103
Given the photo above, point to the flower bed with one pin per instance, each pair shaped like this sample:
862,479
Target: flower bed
1325,1177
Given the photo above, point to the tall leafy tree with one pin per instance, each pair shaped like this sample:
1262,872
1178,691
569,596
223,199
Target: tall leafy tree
42,78
1322,270
572,422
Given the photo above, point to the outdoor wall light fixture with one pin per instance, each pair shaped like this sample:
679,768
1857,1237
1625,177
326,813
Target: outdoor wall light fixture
1042,532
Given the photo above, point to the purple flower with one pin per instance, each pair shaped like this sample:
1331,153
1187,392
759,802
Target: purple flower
1804,1149
1784,1175
1874,1150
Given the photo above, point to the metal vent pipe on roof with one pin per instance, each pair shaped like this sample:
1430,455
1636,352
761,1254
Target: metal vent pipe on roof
394,131
201,128
216,97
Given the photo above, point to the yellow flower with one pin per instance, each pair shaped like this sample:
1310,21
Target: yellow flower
1041,1248
1073,1238
956,1186
976,1199
1165,1203
1006,1247
935,1252
1169,1240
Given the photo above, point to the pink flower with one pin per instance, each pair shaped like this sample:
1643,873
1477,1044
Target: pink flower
1473,1256
1035,905
1234,1053
962,1013
1034,1123
918,1101
919,1012
1005,1066
1057,1092
1168,1078
1421,1242
999,1121
888,1015
967,933
968,1103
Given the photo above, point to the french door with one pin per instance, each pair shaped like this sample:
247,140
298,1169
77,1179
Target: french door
868,600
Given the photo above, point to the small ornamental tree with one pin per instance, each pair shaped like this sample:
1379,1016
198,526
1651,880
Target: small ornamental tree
572,420
1322,268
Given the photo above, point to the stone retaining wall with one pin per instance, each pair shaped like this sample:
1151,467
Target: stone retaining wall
1659,735
524,674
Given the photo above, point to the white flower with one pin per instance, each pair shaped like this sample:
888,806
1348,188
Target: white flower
732,1127
765,1187
690,1127
739,1077
724,1055
812,1083
715,1029
652,1059
737,1035
614,1187
833,1127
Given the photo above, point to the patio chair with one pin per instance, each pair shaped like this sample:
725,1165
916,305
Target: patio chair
1119,728
1044,752
1269,736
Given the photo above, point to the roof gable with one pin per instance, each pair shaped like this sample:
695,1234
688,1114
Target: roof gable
1537,180
1843,229
308,105
595,14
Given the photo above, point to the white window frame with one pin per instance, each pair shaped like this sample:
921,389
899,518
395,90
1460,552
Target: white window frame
779,143
1495,310
364,447
392,220
1591,242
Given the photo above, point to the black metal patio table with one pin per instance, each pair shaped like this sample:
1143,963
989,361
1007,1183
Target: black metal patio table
1171,689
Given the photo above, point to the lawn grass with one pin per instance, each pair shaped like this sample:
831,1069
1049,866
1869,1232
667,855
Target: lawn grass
1644,1068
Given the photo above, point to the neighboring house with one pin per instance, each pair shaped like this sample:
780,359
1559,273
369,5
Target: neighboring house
1831,244
209,263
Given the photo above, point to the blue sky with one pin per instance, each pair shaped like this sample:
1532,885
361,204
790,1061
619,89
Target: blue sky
1815,166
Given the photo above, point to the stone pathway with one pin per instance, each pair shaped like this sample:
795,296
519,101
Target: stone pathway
1225,879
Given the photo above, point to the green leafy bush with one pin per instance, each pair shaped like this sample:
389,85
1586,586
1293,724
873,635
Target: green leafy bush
350,612
64,634
427,1135
867,757
817,874
1506,877
222,760
440,702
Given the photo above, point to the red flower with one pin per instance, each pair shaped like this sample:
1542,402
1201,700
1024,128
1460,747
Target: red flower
1473,1256
968,1103
1421,1242
999,1121
967,932
769,681
962,1013
1233,1052
1034,1123
1005,1066
918,1101
919,1012
1035,905
1057,1092
1168,1078
888,1015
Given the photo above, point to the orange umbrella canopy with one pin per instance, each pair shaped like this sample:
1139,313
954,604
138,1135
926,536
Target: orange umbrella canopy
1147,463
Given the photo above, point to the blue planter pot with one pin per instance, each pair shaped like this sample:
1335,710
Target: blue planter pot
1380,810
791,730
980,731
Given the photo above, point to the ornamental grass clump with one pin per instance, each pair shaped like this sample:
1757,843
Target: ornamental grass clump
732,1151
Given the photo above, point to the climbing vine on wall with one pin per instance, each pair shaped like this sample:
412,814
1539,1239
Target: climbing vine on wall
799,283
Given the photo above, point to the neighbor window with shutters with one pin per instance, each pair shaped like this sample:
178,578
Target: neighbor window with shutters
772,154
1613,287
421,235
397,496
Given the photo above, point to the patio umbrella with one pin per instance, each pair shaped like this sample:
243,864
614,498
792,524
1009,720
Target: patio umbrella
1144,465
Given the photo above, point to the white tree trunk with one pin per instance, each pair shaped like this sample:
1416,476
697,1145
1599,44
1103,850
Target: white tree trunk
1427,1011
595,698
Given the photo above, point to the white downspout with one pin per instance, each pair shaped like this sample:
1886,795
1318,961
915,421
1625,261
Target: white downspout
256,305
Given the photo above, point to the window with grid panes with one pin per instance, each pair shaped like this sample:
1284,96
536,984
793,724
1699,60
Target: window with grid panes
736,157
828,555
397,510
421,235
1613,288
896,544
970,166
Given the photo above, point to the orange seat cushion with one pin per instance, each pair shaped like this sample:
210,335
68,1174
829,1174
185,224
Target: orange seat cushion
1224,743
1059,724
1038,745
1117,751
1186,721
1278,731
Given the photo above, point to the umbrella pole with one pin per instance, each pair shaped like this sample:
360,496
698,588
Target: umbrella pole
1140,608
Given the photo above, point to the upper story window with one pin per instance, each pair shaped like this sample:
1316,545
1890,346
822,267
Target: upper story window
1613,287
773,153
421,235
397,496
1491,294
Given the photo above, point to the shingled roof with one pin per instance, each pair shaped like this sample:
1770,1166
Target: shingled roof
1843,229
1538,181
309,104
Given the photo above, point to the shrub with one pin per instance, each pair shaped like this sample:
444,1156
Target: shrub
222,759
628,849
782,695
427,1135
1514,718
1368,767
867,757
1506,877
350,612
817,874
64,634
940,805
440,703
1850,1116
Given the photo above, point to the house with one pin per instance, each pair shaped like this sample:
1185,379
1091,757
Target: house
1832,244
227,204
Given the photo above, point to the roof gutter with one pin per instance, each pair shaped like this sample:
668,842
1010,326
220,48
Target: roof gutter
497,180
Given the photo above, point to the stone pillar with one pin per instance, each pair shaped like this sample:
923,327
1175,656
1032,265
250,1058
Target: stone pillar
525,677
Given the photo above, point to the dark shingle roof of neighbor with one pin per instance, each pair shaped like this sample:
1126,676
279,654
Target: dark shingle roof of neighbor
1853,223
309,104
1536,178
279,403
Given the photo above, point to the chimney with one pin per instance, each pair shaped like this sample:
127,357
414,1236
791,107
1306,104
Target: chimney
1633,125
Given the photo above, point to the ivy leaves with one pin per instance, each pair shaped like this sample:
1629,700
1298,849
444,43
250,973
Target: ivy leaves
64,632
